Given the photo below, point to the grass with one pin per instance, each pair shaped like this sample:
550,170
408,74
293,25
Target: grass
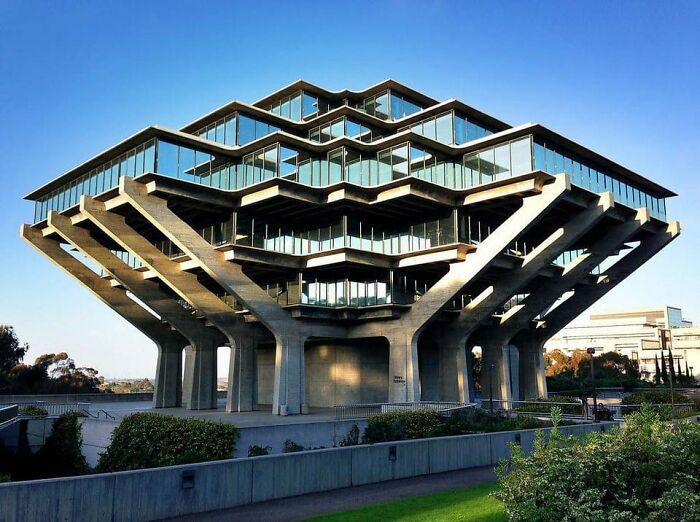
469,504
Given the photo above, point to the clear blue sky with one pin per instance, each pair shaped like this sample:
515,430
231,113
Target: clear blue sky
622,78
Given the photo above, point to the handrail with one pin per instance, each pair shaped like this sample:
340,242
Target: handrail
359,411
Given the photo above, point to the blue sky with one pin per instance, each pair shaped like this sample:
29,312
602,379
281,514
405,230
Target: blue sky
622,78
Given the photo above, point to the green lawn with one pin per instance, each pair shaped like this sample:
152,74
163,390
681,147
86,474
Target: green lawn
472,503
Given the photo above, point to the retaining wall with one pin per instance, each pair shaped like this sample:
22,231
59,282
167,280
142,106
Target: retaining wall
184,490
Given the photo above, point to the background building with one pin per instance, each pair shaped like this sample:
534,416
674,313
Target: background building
349,246
636,334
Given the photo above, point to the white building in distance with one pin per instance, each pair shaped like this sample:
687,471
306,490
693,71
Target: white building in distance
636,334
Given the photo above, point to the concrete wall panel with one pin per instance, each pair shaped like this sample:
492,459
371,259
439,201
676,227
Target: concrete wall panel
460,452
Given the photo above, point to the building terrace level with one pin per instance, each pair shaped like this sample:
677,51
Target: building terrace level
349,246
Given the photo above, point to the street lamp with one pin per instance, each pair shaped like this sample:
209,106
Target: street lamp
591,351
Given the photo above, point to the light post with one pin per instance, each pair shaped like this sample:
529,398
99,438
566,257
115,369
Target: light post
666,337
491,368
591,351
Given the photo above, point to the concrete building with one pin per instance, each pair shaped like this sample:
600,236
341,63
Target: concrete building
638,335
349,246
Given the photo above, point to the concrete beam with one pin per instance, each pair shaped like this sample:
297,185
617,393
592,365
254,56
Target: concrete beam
169,342
520,316
585,295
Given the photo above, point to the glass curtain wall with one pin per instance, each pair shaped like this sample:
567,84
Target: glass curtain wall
236,129
297,107
449,128
551,160
341,127
388,105
135,162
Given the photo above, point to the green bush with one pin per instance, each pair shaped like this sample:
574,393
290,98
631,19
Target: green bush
4,478
400,425
151,440
655,397
545,405
352,438
290,446
258,451
648,471
34,411
61,455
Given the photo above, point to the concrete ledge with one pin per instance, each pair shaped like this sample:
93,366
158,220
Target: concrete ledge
189,489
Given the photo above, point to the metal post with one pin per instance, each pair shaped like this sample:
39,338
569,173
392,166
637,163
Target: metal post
591,351
670,379
491,368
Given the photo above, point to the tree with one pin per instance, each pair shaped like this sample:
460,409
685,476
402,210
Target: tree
657,374
671,369
664,373
11,351
687,370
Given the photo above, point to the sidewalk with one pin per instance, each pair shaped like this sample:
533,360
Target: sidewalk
313,504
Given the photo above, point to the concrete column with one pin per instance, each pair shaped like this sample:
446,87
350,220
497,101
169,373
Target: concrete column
404,382
289,394
200,376
496,380
241,376
187,375
513,371
455,374
168,385
533,382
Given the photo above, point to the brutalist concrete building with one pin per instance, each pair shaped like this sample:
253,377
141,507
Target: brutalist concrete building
349,247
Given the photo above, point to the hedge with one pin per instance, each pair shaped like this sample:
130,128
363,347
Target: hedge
151,440
34,411
543,405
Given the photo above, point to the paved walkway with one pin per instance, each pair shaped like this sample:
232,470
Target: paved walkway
313,504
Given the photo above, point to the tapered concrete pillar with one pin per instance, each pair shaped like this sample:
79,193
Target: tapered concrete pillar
289,395
168,386
187,375
455,375
200,376
496,375
533,382
404,382
241,376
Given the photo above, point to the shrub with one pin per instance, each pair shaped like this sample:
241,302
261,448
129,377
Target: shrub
544,405
400,425
4,478
655,397
151,440
34,411
352,438
291,447
258,451
648,471
61,455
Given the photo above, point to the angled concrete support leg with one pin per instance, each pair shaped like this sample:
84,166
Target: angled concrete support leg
404,382
168,385
289,395
495,375
455,380
241,377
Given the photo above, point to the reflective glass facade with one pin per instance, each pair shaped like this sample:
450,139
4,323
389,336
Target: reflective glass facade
388,105
449,128
298,106
236,129
341,127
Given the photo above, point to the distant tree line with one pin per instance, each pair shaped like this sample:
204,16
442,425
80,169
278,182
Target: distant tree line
50,373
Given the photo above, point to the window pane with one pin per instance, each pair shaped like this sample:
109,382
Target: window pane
295,108
502,162
444,128
400,162
167,158
246,129
520,156
384,158
486,165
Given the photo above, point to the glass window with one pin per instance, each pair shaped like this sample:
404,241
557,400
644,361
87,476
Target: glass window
384,158
288,163
460,130
335,166
310,105
539,157
246,129
486,165
502,162
338,128
520,157
429,128
295,108
167,158
187,164
381,109
230,130
400,162
444,128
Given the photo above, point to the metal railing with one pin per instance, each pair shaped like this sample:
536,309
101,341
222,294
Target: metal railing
578,410
360,411
99,415
52,409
